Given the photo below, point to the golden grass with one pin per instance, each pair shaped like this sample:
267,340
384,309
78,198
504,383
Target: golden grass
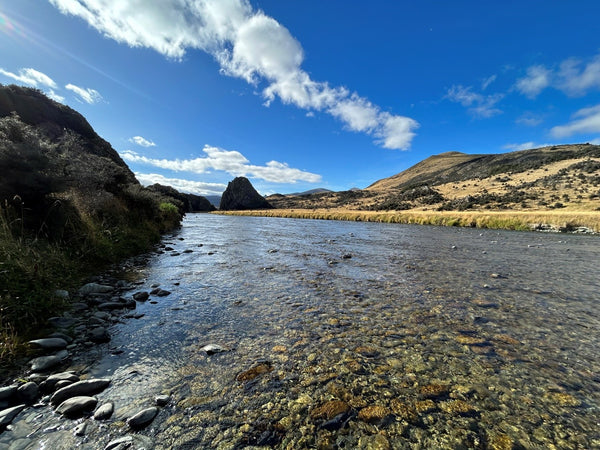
505,220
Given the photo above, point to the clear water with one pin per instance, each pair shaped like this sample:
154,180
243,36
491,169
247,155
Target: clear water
462,338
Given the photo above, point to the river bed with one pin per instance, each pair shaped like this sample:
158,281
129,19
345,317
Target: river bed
352,335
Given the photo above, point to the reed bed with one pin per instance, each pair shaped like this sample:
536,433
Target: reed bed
502,220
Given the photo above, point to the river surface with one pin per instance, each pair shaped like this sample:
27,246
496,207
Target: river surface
354,335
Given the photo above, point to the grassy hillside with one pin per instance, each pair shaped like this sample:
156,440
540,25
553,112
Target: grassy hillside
68,207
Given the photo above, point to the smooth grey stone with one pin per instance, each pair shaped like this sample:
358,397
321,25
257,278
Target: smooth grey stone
80,429
63,383
102,315
142,418
99,335
162,400
61,293
28,392
109,306
104,411
62,322
130,442
95,288
75,406
7,415
162,293
80,388
50,343
44,363
211,349
141,296
67,339
7,392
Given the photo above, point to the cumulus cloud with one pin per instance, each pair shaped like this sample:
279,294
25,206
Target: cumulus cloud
586,120
182,185
87,95
142,142
572,76
247,44
478,105
30,77
230,161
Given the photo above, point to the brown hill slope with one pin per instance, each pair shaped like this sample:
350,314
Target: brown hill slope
563,176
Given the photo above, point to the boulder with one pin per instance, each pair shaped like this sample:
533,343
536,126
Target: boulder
7,415
94,288
240,194
49,343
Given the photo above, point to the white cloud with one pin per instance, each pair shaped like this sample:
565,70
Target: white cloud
576,79
247,44
529,119
523,146
142,142
30,77
595,141
182,185
478,105
537,79
232,162
489,80
573,77
54,96
88,95
586,120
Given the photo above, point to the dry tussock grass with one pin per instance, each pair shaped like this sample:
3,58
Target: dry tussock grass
509,220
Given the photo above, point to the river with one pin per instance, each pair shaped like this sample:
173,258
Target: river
353,335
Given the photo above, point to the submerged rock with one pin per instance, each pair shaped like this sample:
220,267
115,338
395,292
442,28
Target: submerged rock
142,418
104,411
7,415
45,363
252,373
75,406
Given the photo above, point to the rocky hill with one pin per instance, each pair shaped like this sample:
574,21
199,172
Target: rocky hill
555,177
241,195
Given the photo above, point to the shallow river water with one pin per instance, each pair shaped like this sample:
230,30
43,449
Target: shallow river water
354,335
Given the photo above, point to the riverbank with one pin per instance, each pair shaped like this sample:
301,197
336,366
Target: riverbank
559,221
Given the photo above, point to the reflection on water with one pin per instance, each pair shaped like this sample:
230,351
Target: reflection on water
346,335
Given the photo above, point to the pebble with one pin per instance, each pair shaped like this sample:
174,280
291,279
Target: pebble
130,442
28,392
162,400
104,411
94,288
80,388
142,418
76,406
45,363
373,414
141,296
49,343
7,415
330,409
7,392
211,349
99,335
255,371
80,429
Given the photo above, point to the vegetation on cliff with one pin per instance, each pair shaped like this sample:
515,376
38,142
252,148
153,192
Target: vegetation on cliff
68,207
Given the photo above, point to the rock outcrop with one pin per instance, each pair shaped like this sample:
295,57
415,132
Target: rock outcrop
187,202
240,194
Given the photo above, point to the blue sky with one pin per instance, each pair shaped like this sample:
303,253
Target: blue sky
300,94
